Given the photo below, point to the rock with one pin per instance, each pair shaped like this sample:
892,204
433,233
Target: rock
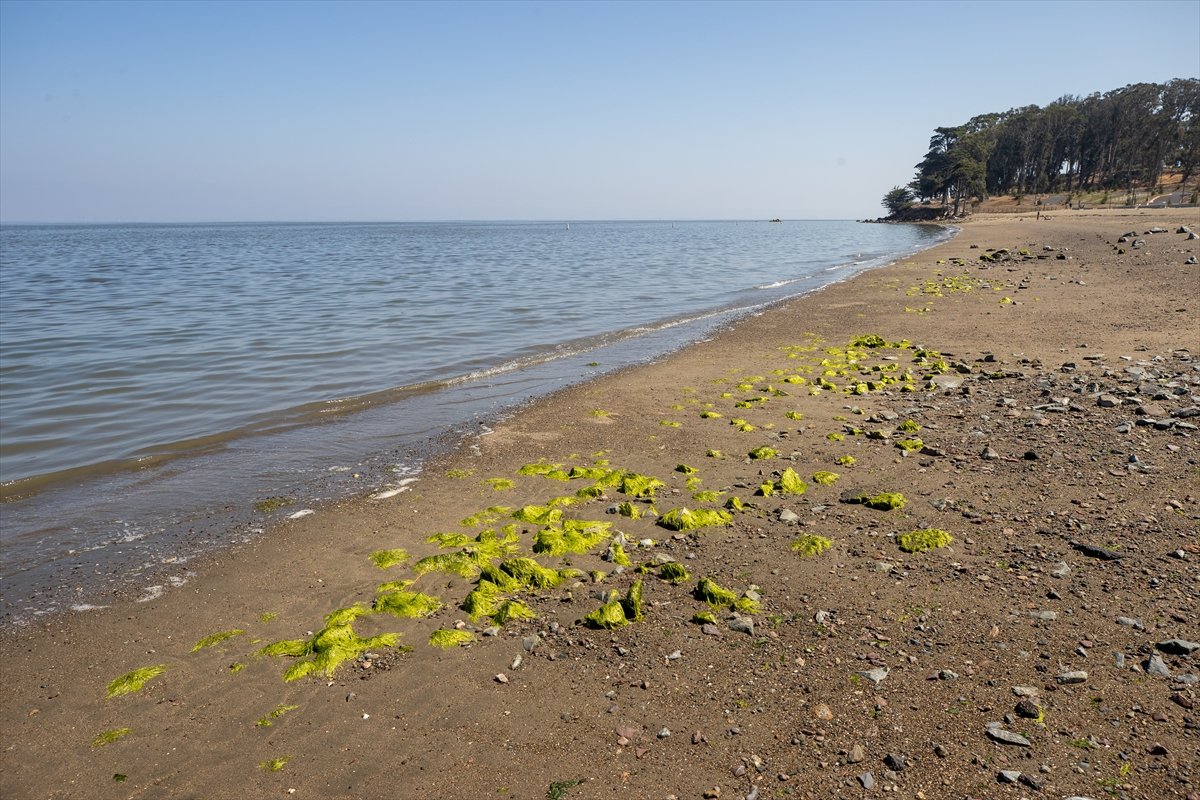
1008,776
1178,647
1033,782
1183,229
1156,666
708,629
742,625
501,678
1028,709
1096,552
895,761
822,618
867,780
1190,260
1061,570
697,737
1138,244
1130,622
1108,401
989,454
1045,616
822,711
665,733
1151,410
947,675
530,643
875,676
998,734
856,754
1025,691
786,515
1158,749
1068,678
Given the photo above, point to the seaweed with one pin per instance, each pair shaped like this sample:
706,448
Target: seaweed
631,604
530,574
565,501
451,637
236,667
628,509
575,536
510,610
538,468
110,736
608,616
791,483
270,718
133,681
538,515
683,519
216,638
759,453
910,445
483,600
707,496
811,545
710,592
274,764
272,504
410,605
328,648
825,478
704,618
674,572
846,461
927,539
617,555
685,469
636,485
459,473
908,426
795,415
590,493
766,489
742,425
591,473
501,484
884,501
735,503
868,340
709,415
714,454
835,436
667,423
486,517
389,558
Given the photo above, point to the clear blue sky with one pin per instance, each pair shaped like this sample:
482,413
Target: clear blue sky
180,111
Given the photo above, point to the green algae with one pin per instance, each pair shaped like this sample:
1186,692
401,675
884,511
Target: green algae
846,461
532,575
501,484
683,519
267,616
927,539
791,483
409,605
385,559
631,604
617,555
704,618
462,564
133,681
766,489
483,600
709,415
539,468
884,501
825,478
216,638
538,515
794,415
453,539
667,423
628,509
451,637
811,545
274,764
710,496
835,436
272,504
110,736
510,610
636,485
236,667
908,426
270,718
590,473
674,572
565,501
685,469
735,503
574,536
716,596
868,340
760,453
329,648
590,493
600,413
459,473
608,616
910,445
486,517
714,454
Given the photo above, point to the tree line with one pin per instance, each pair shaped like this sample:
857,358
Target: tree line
1118,140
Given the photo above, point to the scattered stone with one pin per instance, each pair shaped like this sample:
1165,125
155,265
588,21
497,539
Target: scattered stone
822,711
875,676
989,454
1068,678
1095,551
787,515
1156,666
998,734
665,733
708,629
1061,570
1025,691
1028,709
895,761
947,675
501,678
867,780
822,618
1130,622
1033,781
742,625
1008,776
856,754
1178,647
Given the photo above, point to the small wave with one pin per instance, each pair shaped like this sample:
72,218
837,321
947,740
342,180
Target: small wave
777,284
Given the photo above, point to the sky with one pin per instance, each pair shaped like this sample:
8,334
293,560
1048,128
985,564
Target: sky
246,111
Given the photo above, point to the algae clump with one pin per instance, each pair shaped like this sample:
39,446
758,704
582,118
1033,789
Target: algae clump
274,764
510,610
927,539
330,647
707,496
683,519
410,605
108,737
759,453
910,445
216,638
710,592
389,558
270,718
636,485
608,616
532,575
575,536
735,503
825,478
628,509
846,461
451,637
884,501
811,545
133,681
791,483
704,618
674,572
617,555
908,426
685,469
501,484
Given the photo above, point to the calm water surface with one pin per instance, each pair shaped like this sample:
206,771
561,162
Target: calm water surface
154,376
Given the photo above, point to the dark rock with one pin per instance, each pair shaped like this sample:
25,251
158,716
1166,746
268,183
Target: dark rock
895,761
1178,647
1096,552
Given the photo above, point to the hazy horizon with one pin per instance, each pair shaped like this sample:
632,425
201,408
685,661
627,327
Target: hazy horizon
420,112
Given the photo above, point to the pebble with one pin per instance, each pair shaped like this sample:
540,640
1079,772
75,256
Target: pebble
786,515
1130,622
998,734
895,761
1178,647
1008,776
1025,691
867,780
1156,666
822,711
742,625
875,676
856,754
501,678
665,733
1061,570
1033,782
1067,678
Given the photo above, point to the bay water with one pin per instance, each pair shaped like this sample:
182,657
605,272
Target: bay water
157,382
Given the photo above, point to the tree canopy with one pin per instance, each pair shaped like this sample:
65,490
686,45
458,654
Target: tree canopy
1116,140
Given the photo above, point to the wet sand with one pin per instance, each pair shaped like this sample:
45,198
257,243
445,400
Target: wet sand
1056,449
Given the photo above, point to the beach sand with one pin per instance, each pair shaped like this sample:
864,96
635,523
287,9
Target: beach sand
867,670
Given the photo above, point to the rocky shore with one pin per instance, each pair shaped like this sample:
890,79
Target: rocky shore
929,533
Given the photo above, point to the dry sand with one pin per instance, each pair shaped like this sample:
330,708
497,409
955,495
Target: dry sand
1062,422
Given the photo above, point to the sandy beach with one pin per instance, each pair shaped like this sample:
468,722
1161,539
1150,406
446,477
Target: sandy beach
1038,405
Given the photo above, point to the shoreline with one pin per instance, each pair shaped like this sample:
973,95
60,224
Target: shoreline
439,723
